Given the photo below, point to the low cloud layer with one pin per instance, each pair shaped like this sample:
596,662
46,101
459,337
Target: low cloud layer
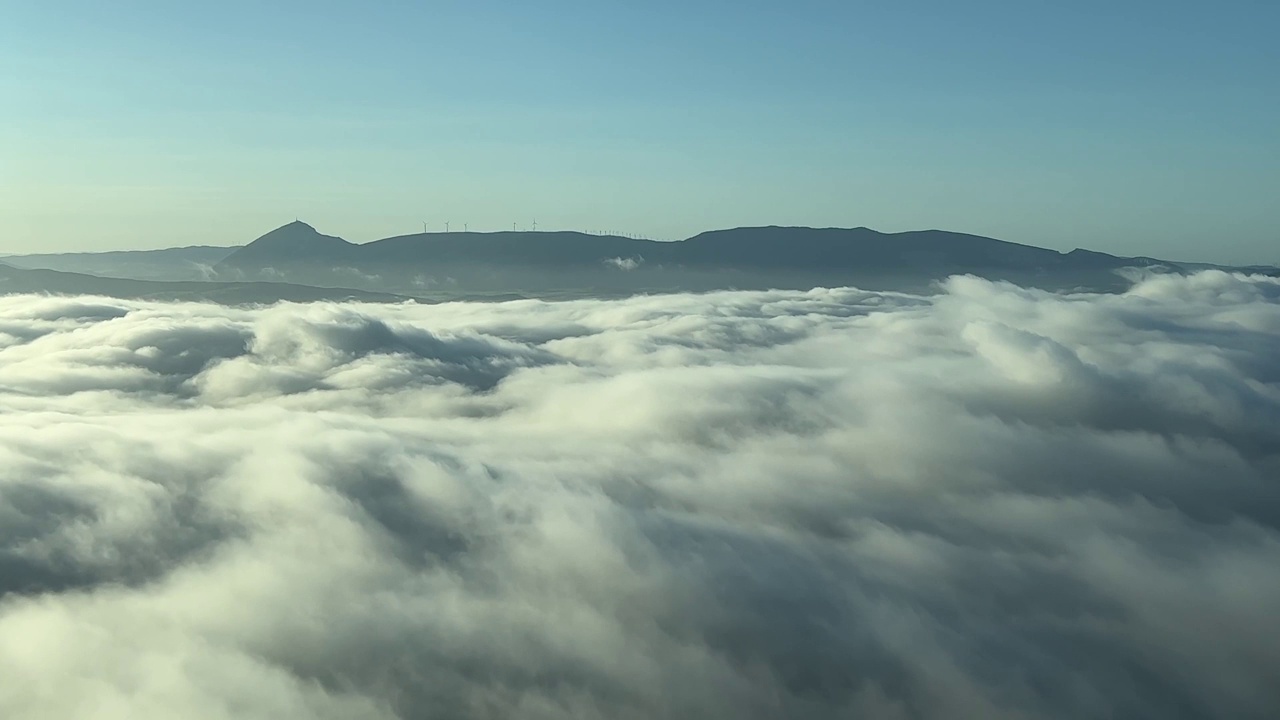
627,263
987,503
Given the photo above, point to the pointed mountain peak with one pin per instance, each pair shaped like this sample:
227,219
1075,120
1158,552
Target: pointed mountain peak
296,233
295,228
296,240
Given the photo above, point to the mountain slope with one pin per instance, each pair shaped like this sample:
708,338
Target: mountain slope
18,280
183,263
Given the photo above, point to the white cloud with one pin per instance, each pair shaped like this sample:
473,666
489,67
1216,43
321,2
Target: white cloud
628,263
991,502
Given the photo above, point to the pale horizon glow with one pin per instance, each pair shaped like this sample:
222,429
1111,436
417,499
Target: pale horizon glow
1147,129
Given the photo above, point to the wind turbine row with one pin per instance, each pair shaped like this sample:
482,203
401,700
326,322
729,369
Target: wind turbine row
466,227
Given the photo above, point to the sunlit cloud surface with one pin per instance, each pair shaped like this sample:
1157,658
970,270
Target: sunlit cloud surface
985,503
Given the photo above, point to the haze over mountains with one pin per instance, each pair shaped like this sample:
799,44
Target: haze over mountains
550,264
15,280
181,263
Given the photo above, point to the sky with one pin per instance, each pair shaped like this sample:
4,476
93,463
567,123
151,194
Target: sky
1135,128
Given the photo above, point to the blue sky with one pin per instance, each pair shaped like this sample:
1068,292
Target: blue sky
1131,127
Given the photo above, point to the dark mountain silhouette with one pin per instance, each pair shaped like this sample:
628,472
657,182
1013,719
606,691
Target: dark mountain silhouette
760,257
15,280
296,262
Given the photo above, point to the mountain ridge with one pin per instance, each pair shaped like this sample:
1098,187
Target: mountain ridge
577,264
745,257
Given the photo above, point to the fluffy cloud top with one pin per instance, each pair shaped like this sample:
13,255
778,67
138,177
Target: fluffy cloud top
986,503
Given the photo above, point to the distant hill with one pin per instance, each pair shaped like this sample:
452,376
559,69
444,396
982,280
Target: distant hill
15,280
184,263
296,241
760,257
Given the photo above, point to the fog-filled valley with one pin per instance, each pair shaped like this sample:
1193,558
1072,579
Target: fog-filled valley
640,361
979,501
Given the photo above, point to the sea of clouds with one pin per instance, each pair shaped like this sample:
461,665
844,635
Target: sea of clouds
986,503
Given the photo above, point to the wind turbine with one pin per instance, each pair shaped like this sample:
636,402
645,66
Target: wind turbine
535,226
446,226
